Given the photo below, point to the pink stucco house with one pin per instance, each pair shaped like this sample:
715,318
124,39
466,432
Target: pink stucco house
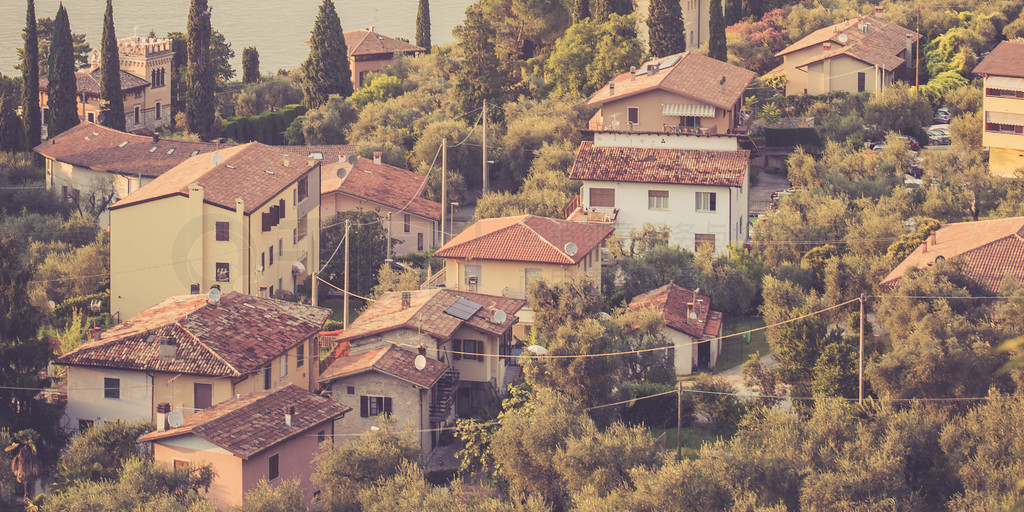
270,435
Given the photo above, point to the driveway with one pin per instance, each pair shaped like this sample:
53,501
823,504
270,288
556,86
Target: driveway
761,194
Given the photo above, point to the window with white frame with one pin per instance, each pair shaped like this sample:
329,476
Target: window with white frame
374,405
707,202
657,199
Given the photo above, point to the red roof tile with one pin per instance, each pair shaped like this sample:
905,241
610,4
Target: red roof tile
390,360
368,42
383,184
656,165
526,238
882,42
100,148
255,422
426,313
1006,59
239,335
991,250
694,76
673,302
253,172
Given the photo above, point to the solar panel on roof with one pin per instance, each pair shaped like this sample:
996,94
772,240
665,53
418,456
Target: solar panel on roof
463,309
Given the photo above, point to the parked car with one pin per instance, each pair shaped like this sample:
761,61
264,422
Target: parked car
912,144
942,115
916,170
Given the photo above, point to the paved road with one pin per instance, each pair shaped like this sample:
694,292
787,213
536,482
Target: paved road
761,194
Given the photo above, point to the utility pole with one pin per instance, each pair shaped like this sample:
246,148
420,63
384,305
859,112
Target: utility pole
347,225
388,251
444,184
486,180
860,393
917,61
679,420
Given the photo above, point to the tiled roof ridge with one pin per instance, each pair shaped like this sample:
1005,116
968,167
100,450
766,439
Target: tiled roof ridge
203,344
249,401
561,252
375,365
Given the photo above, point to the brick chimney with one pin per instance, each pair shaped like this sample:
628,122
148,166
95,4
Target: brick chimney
879,9
406,300
289,415
377,157
924,246
827,45
162,410
933,239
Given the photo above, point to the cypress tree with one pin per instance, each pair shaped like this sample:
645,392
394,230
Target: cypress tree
326,71
110,75
479,78
250,65
423,25
754,8
733,11
30,80
12,131
62,87
716,32
667,32
580,10
601,10
200,107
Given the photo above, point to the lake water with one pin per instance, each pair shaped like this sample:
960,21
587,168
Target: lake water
278,29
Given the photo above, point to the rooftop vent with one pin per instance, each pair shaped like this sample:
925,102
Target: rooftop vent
123,144
286,162
168,350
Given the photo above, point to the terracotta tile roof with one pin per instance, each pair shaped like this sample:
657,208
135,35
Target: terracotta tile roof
694,76
672,302
100,148
368,42
426,314
88,82
991,250
255,422
880,45
527,238
253,172
239,335
383,184
1006,59
323,153
390,360
657,165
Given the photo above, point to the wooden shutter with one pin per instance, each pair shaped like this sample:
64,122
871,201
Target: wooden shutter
203,395
457,348
387,405
364,407
602,197
280,209
266,221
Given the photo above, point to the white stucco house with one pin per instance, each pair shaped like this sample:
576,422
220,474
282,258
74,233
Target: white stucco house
691,326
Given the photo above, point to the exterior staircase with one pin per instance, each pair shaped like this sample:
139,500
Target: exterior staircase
444,396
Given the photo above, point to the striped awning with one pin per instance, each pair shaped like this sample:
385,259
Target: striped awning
687,110
1005,82
1004,118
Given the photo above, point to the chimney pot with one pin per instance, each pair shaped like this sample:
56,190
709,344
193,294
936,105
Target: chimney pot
924,246
933,238
289,415
377,157
406,300
162,409
611,88
286,161
879,9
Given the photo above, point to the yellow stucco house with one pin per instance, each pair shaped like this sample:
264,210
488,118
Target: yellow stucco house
502,256
244,218
192,353
865,54
1003,107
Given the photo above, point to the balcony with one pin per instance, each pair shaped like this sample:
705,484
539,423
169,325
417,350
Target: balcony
434,281
689,130
594,215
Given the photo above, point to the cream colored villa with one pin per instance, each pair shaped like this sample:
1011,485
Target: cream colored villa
690,325
191,353
369,51
1003,107
245,218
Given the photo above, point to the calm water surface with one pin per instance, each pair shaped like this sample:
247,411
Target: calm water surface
277,28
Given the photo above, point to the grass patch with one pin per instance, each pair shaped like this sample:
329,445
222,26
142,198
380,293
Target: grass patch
736,350
693,438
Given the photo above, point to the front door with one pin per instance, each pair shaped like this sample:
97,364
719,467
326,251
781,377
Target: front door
704,355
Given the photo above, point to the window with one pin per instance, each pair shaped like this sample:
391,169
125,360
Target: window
295,236
657,199
633,115
266,377
223,272
689,122
706,202
419,241
273,471
301,231
263,261
138,115
1005,93
374,405
138,94
300,355
271,252
321,437
280,247
280,209
92,117
351,390
158,108
532,275
861,79
284,364
181,465
471,350
202,395
223,231
303,188
112,388
703,240
408,221
64,191
46,115
84,424
602,197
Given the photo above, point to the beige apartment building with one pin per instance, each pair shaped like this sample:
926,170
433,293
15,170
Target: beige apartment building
244,218
1003,107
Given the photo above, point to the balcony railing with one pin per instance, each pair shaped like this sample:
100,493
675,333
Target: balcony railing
571,206
434,281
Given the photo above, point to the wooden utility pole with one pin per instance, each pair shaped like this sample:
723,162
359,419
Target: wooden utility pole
679,420
860,393
486,180
345,317
444,185
917,61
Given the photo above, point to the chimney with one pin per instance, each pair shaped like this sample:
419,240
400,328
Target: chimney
377,157
689,310
289,415
310,161
162,409
95,333
406,300
168,350
721,84
286,161
611,88
341,157
422,350
924,247
879,9
827,45
933,243
156,138
908,56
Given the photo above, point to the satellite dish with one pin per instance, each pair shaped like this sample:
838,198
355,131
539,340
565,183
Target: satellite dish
175,419
342,172
214,295
420,362
571,248
537,350
217,159
498,317
693,315
843,38
352,159
100,118
52,304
